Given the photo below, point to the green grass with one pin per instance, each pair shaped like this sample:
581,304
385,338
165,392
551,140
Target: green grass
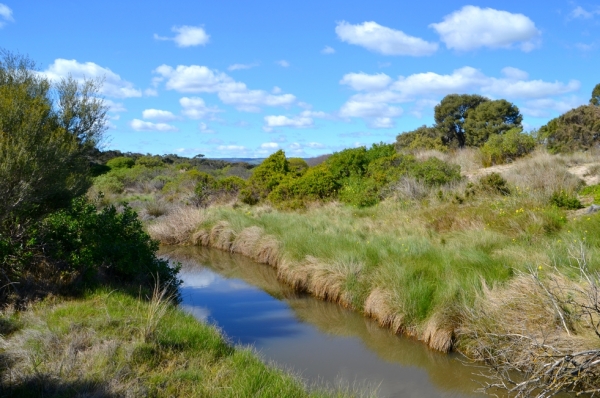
96,346
432,258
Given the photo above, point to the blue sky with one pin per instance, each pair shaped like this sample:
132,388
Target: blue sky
246,78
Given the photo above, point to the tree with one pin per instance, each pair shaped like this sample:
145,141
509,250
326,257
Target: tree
422,138
595,100
578,129
490,118
47,135
452,112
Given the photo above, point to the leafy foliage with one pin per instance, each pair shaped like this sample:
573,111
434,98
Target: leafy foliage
422,138
452,113
595,100
507,147
491,119
565,200
121,162
578,129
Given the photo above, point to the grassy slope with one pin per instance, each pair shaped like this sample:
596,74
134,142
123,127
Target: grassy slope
424,261
108,344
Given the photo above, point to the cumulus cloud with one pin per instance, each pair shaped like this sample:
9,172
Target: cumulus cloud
232,148
473,27
269,145
362,81
187,36
140,125
5,15
355,108
113,85
283,63
196,108
544,107
383,40
376,105
159,115
114,106
274,121
197,79
328,50
241,66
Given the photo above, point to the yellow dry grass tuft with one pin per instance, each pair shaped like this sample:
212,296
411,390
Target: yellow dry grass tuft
178,226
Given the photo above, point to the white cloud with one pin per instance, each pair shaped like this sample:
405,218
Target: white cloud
581,13
112,86
283,63
151,92
196,108
382,123
5,15
362,81
364,109
159,115
187,36
473,27
196,79
545,107
514,73
328,50
315,145
274,121
114,106
204,129
241,66
232,148
384,40
316,114
140,125
269,145
276,90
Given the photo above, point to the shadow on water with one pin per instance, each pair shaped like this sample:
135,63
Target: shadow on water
321,340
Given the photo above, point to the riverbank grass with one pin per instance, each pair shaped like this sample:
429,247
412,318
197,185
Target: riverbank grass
112,344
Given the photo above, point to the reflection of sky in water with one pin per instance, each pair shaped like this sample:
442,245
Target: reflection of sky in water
248,315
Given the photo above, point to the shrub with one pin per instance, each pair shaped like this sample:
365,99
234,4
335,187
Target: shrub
111,242
230,185
266,176
297,166
121,162
507,147
347,163
360,192
435,172
109,183
494,183
149,161
578,129
565,200
593,190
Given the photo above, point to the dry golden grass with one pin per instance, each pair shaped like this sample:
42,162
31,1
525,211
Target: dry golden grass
178,226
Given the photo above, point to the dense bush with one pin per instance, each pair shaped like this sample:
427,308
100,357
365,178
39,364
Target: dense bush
503,148
494,183
565,200
121,162
578,129
150,161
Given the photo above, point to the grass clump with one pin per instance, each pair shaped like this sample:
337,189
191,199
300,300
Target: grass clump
99,346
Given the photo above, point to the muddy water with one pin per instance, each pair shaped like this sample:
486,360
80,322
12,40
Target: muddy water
320,341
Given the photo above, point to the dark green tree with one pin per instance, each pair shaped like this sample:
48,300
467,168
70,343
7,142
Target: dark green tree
47,135
490,118
578,129
452,112
595,100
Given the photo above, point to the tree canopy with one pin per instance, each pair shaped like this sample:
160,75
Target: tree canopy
578,129
47,134
463,120
595,100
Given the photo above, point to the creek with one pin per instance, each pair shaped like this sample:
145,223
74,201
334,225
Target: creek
323,343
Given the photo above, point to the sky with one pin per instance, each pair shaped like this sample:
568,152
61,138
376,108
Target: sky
238,78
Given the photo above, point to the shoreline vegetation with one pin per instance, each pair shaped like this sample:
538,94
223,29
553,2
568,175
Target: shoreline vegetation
469,234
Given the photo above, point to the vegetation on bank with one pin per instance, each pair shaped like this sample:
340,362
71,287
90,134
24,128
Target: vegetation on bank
78,314
108,343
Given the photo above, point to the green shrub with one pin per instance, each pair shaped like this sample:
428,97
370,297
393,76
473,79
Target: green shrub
565,200
297,166
578,129
347,163
109,183
121,162
359,192
507,147
266,176
230,185
435,172
494,183
149,161
114,243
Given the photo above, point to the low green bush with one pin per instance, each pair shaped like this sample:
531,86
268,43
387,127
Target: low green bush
109,183
503,148
494,183
121,162
592,190
565,200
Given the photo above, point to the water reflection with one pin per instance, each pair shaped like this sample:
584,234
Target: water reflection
320,340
